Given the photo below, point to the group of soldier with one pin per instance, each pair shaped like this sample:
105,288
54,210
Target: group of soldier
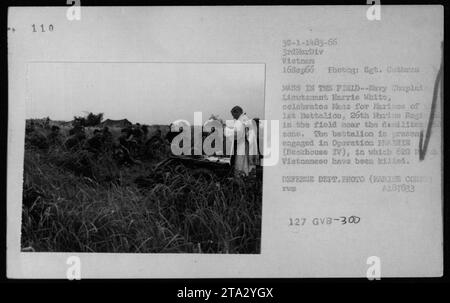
125,144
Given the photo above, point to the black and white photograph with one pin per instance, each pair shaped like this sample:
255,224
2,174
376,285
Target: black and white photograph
225,142
100,173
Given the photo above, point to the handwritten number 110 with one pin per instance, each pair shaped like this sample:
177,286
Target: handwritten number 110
42,28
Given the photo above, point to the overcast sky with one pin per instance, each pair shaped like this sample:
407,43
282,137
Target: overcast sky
151,93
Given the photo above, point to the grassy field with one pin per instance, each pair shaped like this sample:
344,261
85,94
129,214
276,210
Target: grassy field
83,202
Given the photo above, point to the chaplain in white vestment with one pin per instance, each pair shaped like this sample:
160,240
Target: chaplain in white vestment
243,134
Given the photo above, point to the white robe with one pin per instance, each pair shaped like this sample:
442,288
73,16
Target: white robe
247,149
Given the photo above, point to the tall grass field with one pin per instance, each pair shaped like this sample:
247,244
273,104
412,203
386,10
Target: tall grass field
79,201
